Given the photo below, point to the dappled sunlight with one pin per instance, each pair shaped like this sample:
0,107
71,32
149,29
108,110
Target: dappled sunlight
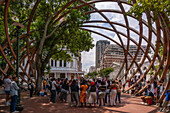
42,105
2,100
46,104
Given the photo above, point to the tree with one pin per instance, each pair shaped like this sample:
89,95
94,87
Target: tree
106,72
156,6
57,30
92,75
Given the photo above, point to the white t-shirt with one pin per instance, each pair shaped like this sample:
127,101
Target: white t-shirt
152,88
161,89
53,85
7,84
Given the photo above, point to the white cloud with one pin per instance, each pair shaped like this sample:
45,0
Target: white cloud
88,58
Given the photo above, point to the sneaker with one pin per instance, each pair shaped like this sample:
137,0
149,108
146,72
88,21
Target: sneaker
146,103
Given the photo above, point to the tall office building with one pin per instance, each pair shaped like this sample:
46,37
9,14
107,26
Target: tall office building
114,53
100,48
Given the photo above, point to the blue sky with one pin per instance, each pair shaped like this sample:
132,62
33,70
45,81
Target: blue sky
88,58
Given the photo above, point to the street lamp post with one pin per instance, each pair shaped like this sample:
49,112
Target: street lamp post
19,26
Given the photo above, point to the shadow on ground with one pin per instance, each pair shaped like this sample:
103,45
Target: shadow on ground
42,105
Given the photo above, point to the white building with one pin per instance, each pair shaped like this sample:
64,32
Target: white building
59,69
116,67
63,69
92,69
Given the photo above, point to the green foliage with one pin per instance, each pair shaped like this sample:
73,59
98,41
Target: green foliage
151,72
92,75
48,69
106,72
156,6
67,35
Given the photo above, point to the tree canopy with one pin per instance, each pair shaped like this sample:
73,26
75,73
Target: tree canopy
51,28
156,6
60,32
92,75
106,72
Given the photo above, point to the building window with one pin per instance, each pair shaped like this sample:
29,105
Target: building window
51,62
65,64
55,63
71,64
60,63
62,75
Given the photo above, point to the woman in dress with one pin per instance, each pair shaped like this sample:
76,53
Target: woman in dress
92,96
83,94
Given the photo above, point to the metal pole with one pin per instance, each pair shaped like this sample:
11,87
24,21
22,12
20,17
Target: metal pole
17,67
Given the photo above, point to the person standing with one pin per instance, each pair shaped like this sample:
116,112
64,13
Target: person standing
165,104
74,93
83,94
107,97
113,91
64,91
118,92
31,88
92,96
7,84
14,93
102,93
53,90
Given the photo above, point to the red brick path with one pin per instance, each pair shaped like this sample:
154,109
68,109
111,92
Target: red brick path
41,105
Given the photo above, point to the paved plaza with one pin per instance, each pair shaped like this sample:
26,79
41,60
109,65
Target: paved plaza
130,104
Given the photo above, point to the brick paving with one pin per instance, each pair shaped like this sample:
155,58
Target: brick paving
129,104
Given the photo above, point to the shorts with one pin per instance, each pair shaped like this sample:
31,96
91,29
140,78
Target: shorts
7,92
102,95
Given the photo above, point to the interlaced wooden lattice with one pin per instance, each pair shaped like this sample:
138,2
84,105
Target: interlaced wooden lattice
162,39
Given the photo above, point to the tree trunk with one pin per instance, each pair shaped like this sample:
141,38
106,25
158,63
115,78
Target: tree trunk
40,73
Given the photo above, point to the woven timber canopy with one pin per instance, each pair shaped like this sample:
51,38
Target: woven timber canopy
160,31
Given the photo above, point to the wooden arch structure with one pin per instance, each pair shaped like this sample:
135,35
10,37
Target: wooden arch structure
161,31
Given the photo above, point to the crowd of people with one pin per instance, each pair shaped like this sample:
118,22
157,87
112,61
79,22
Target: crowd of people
88,92
100,91
83,92
153,90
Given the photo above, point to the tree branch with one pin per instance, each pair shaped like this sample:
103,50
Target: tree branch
61,24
